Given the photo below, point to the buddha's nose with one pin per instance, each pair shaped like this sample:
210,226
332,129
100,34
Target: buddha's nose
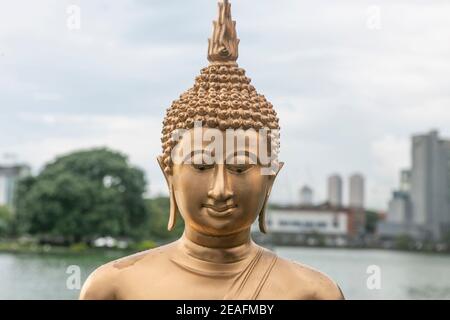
220,190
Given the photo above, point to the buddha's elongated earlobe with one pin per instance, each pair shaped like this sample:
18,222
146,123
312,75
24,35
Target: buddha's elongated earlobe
172,211
262,214
262,217
173,204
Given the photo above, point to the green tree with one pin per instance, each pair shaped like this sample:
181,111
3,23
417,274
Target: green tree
404,242
84,195
372,219
5,221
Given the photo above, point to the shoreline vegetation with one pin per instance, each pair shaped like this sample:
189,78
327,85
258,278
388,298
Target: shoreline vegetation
18,246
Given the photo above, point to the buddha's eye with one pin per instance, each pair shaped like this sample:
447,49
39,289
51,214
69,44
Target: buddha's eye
239,168
202,167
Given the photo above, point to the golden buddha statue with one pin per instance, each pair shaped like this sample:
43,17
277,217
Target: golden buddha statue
219,191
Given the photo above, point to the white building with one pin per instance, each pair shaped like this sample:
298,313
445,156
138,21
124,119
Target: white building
356,191
9,174
335,191
326,222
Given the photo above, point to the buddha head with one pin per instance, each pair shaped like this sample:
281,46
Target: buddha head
220,143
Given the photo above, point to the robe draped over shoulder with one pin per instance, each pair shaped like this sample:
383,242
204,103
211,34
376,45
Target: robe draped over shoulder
249,283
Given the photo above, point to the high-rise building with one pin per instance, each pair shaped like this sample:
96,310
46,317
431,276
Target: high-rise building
399,211
306,196
335,191
356,204
399,216
430,183
356,188
9,174
405,180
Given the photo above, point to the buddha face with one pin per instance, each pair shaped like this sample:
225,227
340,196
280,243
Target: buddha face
220,190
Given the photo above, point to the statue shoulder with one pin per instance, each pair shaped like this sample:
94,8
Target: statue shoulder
102,283
308,283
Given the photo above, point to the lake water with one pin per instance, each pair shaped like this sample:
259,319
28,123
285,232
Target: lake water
402,275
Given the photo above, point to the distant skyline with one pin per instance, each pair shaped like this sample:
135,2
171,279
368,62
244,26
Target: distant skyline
349,94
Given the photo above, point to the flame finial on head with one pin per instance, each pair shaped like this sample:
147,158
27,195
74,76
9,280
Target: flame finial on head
223,45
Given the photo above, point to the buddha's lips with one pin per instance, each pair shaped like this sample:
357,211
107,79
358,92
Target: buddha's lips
220,209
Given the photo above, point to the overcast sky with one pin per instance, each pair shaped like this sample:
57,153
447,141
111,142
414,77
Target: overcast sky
351,80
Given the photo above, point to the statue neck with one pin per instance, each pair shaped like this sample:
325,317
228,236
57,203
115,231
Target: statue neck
217,249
